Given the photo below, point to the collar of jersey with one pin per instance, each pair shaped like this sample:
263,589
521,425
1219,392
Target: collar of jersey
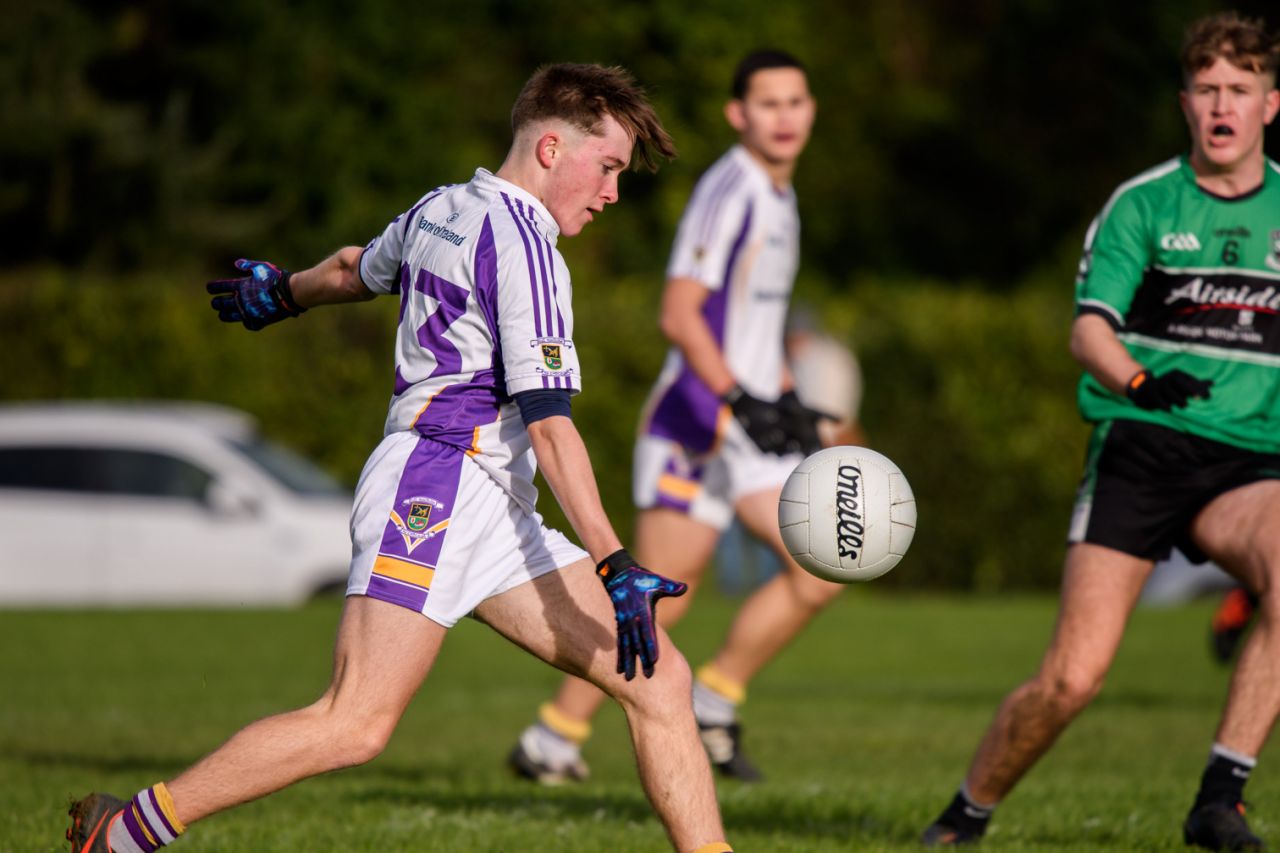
1269,177
740,153
490,182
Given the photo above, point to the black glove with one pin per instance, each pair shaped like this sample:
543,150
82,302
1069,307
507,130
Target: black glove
761,420
800,423
1166,391
259,299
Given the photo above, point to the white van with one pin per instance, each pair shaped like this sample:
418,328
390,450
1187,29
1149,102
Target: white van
118,504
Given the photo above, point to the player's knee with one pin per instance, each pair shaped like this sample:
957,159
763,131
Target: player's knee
1070,690
670,688
812,593
359,738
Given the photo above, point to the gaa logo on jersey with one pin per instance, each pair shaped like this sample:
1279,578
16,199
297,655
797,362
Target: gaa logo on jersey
418,517
551,356
1273,259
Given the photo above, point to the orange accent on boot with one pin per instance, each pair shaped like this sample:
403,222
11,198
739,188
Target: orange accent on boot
1234,612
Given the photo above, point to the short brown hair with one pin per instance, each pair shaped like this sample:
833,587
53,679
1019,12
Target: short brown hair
583,95
1244,42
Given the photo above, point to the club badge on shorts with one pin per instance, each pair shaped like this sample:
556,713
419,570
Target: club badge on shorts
418,517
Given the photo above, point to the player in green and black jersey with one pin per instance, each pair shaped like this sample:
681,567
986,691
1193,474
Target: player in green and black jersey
1178,330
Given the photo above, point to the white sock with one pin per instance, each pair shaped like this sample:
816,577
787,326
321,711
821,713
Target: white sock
711,708
546,746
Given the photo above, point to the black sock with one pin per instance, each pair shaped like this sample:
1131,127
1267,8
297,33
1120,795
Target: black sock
1223,780
965,817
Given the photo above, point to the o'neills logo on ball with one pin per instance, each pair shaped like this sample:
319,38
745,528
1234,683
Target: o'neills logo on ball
849,510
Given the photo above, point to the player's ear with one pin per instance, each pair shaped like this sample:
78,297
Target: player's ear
735,115
1272,105
548,148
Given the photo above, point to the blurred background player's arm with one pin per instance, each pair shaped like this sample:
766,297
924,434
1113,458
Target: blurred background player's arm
682,323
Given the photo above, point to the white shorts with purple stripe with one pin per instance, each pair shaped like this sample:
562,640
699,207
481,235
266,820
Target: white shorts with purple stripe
431,531
706,487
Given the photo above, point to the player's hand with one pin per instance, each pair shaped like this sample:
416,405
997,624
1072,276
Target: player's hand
760,419
800,424
635,592
259,299
1166,391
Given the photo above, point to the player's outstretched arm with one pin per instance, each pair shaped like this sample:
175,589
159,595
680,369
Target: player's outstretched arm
269,294
634,591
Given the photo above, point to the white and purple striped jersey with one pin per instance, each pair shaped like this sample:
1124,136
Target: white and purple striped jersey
485,313
740,237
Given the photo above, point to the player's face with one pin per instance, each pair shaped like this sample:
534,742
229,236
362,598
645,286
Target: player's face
775,115
1226,109
585,174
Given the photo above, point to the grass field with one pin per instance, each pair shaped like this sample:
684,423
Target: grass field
864,727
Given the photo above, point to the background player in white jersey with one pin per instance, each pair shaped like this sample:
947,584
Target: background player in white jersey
443,524
723,427
1182,383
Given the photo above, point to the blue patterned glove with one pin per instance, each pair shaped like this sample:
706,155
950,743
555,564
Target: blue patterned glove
260,299
635,592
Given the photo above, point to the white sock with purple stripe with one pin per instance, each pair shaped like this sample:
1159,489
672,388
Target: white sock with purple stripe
147,823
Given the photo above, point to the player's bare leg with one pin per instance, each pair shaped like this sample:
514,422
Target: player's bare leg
566,619
1240,530
1100,587
775,613
382,655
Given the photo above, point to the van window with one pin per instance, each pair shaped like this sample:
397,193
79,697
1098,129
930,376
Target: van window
102,470
298,473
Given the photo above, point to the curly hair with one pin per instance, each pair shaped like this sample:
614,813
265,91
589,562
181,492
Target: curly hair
1244,42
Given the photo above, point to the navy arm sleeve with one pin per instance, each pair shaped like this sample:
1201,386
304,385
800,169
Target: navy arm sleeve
543,403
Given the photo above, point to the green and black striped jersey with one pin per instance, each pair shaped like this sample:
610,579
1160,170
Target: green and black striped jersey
1190,280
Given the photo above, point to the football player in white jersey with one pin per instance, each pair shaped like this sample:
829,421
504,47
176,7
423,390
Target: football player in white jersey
723,426
444,523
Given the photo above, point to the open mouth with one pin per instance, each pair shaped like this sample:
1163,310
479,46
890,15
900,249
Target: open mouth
1222,130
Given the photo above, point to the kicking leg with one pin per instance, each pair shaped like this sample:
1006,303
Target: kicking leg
566,619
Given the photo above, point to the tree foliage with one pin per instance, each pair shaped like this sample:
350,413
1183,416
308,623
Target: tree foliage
960,151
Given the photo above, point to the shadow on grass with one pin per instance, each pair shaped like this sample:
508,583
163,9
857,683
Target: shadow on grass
780,816
159,765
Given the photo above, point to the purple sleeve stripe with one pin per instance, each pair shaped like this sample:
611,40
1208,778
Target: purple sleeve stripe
544,291
709,205
715,310
555,290
528,256
486,278
548,282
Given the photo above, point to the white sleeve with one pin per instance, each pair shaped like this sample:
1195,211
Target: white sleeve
380,262
714,221
535,318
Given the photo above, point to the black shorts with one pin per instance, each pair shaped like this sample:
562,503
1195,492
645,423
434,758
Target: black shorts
1143,484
